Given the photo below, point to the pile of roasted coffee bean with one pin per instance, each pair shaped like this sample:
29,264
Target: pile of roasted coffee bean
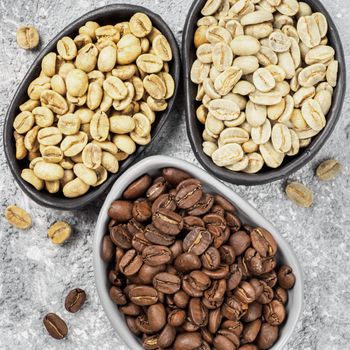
93,103
187,273
265,72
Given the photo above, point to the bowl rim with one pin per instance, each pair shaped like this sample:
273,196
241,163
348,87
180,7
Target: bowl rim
158,162
300,160
99,14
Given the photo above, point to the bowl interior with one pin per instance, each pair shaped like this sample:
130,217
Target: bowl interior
106,15
248,214
195,128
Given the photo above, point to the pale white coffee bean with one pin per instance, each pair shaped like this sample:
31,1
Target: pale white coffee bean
279,42
246,126
320,54
324,99
272,158
304,9
324,86
255,163
241,101
241,7
294,83
306,134
224,109
199,71
205,53
225,81
295,53
304,142
250,147
288,110
302,95
288,7
285,61
275,111
332,73
267,56
295,147
243,88
291,32
75,188
216,34
233,135
207,21
256,17
214,125
85,174
259,31
227,155
200,92
245,45
262,133
239,166
209,89
234,27
142,125
303,50
209,148
248,64
235,122
266,98
312,75
308,31
207,137
255,114
263,80
210,7
281,138
277,72
213,73
222,56
322,23
297,120
313,115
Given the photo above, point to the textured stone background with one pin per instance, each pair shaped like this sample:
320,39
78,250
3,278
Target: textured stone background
35,275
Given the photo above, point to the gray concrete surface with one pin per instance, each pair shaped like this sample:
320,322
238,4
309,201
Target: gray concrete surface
35,275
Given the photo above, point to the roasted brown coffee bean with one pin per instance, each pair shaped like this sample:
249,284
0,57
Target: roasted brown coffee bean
267,336
177,317
189,289
130,263
143,295
134,227
166,337
157,237
219,235
248,347
119,253
176,249
266,296
121,237
258,286
174,176
218,209
138,187
245,292
263,242
158,188
235,277
117,295
254,261
217,291
166,201
269,278
251,330
131,323
167,221
147,272
187,341
131,309
199,280
181,299
191,222
143,325
207,337
114,279
233,309
235,327
232,336
254,312
239,241
120,210
197,312
141,211
187,262
188,196
197,241
150,342
274,313
166,283
215,318
286,278
242,264
222,343
75,300
281,295
233,222
227,254
211,258
156,315
221,272
214,220
55,326
107,250
224,203
140,242
188,182
203,206
155,255
189,326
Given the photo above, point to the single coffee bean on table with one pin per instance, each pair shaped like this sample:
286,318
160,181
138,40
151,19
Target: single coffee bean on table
59,232
187,273
18,217
55,326
75,300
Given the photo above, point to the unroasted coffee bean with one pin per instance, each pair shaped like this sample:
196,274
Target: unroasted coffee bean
143,295
120,210
18,217
166,283
167,221
75,300
55,326
155,255
197,241
300,194
286,278
138,187
328,169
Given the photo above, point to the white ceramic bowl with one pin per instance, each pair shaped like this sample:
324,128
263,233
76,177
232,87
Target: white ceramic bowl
247,213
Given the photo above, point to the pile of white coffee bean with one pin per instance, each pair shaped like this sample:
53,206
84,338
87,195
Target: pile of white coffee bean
265,75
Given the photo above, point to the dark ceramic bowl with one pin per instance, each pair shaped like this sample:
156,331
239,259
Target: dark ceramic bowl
290,164
105,15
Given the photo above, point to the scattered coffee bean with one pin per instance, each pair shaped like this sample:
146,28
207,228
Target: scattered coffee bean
300,194
328,170
75,300
27,37
190,276
55,326
59,232
18,217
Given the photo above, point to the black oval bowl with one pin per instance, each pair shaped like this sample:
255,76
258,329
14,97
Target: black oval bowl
195,128
105,15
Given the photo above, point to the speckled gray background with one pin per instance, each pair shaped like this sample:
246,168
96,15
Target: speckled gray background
35,275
